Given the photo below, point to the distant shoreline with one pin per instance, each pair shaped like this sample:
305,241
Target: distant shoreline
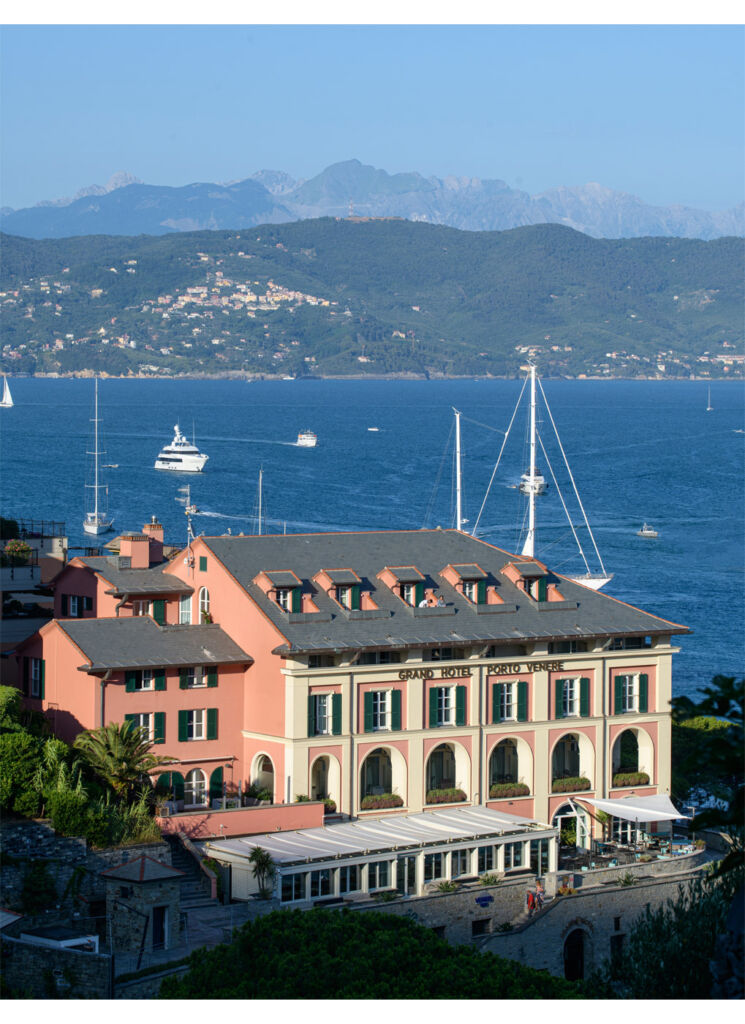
250,379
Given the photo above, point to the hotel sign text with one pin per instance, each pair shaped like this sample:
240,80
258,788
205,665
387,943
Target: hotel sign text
511,668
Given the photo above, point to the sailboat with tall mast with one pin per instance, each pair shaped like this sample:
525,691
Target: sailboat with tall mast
97,519
533,484
6,402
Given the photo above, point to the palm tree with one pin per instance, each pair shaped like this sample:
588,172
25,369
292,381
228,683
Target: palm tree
263,869
119,755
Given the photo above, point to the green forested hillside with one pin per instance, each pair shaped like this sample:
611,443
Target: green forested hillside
372,297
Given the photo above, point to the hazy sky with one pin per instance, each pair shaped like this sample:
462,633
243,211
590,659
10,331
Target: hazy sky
658,111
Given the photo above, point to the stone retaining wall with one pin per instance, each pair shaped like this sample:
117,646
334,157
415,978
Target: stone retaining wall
598,913
45,973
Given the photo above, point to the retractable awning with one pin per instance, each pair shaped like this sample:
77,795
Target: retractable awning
638,808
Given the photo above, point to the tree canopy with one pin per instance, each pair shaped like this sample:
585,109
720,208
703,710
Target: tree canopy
344,954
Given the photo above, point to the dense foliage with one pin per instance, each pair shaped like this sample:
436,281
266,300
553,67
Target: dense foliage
669,950
710,761
107,802
342,954
394,297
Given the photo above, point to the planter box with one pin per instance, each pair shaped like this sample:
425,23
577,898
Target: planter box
503,790
572,785
630,779
382,802
445,796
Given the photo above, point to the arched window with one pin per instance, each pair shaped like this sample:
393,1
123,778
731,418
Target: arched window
204,604
195,788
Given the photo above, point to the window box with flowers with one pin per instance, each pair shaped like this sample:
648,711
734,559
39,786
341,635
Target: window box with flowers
445,796
631,779
570,785
503,790
381,802
17,552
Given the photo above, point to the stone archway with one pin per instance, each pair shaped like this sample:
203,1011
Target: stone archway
383,770
325,779
633,751
575,955
262,774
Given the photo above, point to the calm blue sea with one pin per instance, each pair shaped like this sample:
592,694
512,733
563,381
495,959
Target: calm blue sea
639,451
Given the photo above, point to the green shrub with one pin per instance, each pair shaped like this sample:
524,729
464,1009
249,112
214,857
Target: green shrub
302,798
329,806
380,802
631,779
20,755
627,879
445,796
570,785
505,789
69,813
447,886
493,878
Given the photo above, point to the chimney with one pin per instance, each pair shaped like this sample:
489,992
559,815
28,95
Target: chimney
154,532
135,547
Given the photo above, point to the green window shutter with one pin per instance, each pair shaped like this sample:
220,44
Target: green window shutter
418,593
542,588
160,678
311,715
87,604
618,696
433,707
130,678
203,563
368,702
460,705
79,613
496,698
212,676
159,611
584,698
297,599
129,718
183,678
395,710
216,784
177,782
336,714
481,592
558,699
159,727
643,691
354,603
42,673
211,723
183,728
522,701
63,606
25,676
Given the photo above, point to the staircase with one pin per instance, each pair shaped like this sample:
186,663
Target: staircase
194,884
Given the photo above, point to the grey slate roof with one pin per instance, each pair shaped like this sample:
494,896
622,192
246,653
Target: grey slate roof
139,642
583,613
136,581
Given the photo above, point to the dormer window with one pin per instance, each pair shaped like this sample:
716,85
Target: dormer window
284,600
407,582
469,579
412,593
348,596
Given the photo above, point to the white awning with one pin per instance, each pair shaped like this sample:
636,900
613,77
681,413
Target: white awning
638,808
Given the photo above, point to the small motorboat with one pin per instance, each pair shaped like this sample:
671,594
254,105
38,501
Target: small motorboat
306,439
647,531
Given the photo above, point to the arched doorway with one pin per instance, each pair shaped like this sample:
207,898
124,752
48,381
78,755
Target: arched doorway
319,779
195,788
626,752
503,763
574,955
441,768
565,758
573,825
377,773
263,776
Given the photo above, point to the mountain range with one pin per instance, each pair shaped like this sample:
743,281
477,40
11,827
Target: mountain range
127,206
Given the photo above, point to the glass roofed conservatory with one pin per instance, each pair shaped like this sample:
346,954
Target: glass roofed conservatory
405,853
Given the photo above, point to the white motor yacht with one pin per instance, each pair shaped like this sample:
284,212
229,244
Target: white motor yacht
306,439
181,455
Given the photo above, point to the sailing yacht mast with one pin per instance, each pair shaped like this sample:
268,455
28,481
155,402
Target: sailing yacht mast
458,495
261,477
95,453
529,482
